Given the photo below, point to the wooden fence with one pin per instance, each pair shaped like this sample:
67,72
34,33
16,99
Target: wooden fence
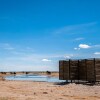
83,69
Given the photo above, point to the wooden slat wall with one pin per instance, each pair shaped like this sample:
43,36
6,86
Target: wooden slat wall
82,70
85,69
90,70
97,69
74,69
61,74
66,70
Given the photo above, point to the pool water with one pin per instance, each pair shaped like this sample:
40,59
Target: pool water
31,77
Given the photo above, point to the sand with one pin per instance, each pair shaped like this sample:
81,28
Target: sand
28,90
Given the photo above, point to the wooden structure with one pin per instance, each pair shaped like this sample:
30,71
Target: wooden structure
81,70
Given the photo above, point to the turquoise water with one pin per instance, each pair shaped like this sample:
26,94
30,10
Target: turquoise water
31,77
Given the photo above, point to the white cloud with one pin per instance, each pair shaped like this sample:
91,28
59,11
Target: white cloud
84,46
76,48
6,46
76,29
9,48
78,39
29,49
97,46
68,56
97,53
46,60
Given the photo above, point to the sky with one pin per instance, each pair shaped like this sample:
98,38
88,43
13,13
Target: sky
36,34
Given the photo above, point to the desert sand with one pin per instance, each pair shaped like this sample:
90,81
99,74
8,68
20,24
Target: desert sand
28,90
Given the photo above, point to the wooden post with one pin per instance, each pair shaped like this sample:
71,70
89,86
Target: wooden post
94,71
86,68
78,71
69,71
63,70
59,69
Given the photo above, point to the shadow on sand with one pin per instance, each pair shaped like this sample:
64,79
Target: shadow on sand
83,83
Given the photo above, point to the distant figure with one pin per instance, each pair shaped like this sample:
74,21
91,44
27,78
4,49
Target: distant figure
48,72
11,73
3,72
14,73
27,73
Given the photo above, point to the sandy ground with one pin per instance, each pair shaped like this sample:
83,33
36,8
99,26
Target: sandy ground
28,90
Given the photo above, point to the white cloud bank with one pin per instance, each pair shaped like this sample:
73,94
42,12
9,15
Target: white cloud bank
76,48
68,56
84,46
97,53
46,60
78,39
6,46
76,29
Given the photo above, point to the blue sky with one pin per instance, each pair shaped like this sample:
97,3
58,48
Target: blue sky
36,34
